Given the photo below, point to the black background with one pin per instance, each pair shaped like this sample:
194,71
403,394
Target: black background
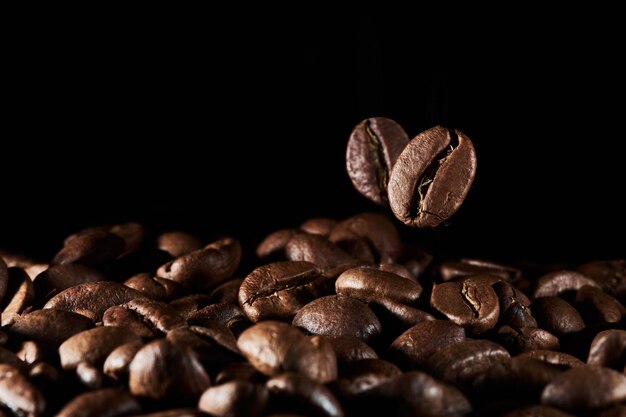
242,130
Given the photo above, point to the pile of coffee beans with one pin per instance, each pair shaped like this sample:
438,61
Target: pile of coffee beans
336,317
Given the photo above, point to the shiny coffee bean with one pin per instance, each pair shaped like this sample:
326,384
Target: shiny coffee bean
350,349
373,148
18,394
90,247
49,327
432,177
229,315
60,277
109,402
159,289
233,399
178,243
468,267
556,316
19,295
508,294
370,284
279,290
117,362
596,306
558,282
296,393
337,315
317,250
608,349
273,246
319,226
609,275
553,357
524,339
517,316
145,317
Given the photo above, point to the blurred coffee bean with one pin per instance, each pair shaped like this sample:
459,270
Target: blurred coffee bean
319,226
159,289
178,243
131,233
296,393
107,402
317,250
19,295
60,277
18,394
234,399
358,376
558,282
609,275
90,247
350,349
144,316
596,306
524,339
188,305
273,246
608,349
556,315
229,315
227,292
468,267
117,362
553,357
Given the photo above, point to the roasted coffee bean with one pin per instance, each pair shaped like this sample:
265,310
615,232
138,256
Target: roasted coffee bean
376,229
227,292
117,363
107,402
178,243
90,247
518,316
507,295
610,275
461,363
18,394
397,313
279,290
350,349
273,246
432,177
213,344
131,233
370,284
239,371
413,347
557,282
373,148
317,250
274,347
596,306
60,277
538,411
229,315
204,268
585,388
162,370
190,304
556,315
553,357
92,299
608,349
297,393
319,226
94,345
363,375
234,399
470,304
468,267
337,315
4,278
19,295
144,316
160,289
524,339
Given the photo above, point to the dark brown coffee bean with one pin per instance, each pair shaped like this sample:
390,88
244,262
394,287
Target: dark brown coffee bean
538,411
213,344
468,267
431,177
317,250
60,277
162,370
376,229
550,356
92,299
239,371
90,247
518,316
397,269
227,292
19,295
337,315
399,313
370,284
319,226
117,363
555,283
131,233
350,349
159,289
495,268
373,148
107,402
585,388
362,375
279,290
556,315
4,278
156,317
526,338
413,393
94,345
273,347
49,327
204,268
461,363
297,393
18,394
178,243
608,349
227,314
470,304
507,295
234,399
596,306
274,244
610,275
417,344
190,304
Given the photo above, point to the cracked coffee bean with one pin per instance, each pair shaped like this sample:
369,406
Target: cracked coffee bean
432,177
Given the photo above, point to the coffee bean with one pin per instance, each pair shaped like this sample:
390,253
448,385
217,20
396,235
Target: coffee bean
213,344
49,327
227,292
131,233
92,299
162,370
369,284
470,304
555,283
156,317
279,290
610,275
317,250
432,177
188,305
556,315
273,246
89,375
60,277
401,315
468,267
518,316
461,363
204,268
508,295
233,399
585,388
524,339
297,393
596,306
178,243
356,377
10,358
376,229
608,349
107,402
90,247
553,357
273,347
350,349
30,352
417,344
319,226
227,314
239,371
4,278
159,289
337,315
117,362
397,269
19,295
373,148
18,394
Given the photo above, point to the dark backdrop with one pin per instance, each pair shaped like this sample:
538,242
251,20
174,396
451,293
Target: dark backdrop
242,130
